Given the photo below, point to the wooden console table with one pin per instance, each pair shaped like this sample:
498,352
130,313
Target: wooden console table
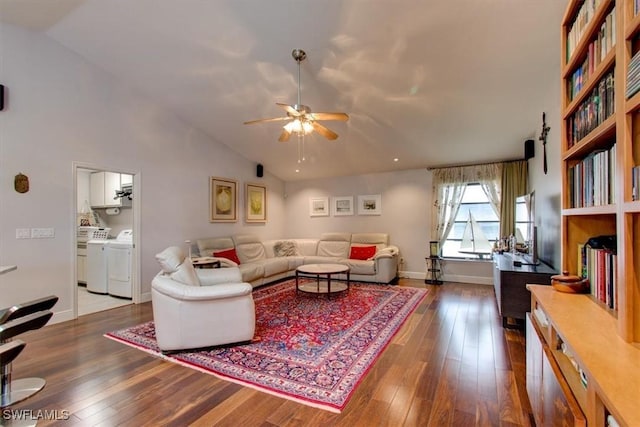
510,281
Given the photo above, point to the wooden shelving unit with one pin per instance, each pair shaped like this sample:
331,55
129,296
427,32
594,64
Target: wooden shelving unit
620,215
615,335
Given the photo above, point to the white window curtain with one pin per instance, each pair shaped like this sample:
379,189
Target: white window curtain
448,188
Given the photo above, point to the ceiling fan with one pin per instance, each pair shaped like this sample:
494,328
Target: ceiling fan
301,120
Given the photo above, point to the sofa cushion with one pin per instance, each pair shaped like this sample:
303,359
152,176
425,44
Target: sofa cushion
381,240
317,259
170,259
186,274
273,266
207,246
334,245
228,254
357,266
251,271
285,248
250,252
362,252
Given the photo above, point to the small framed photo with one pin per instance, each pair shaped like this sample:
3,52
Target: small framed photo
370,204
319,206
342,205
255,203
223,200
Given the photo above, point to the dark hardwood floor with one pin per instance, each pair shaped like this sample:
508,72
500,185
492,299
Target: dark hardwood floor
452,364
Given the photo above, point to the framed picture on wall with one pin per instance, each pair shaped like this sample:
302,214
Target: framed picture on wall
370,204
223,200
342,205
319,206
255,203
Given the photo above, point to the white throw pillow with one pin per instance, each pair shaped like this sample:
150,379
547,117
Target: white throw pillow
170,259
186,274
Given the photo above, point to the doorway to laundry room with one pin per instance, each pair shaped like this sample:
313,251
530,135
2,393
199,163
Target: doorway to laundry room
105,262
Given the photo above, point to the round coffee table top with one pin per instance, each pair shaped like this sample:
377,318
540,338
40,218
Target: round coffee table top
323,268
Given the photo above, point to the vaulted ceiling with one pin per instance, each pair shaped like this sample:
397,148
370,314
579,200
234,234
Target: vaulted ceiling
426,82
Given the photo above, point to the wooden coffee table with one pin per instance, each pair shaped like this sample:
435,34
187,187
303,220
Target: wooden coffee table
322,270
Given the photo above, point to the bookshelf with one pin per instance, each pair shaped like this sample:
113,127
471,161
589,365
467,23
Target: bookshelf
592,344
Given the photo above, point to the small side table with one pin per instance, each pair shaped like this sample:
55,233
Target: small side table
433,270
205,262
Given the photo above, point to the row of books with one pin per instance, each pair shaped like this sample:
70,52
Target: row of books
596,52
635,182
595,109
599,267
592,181
633,76
583,18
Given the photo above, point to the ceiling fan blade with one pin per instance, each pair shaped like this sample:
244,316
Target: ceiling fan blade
284,136
276,119
324,131
329,116
289,109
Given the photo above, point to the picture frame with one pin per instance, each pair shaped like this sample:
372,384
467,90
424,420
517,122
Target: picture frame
255,202
370,204
223,199
319,206
342,205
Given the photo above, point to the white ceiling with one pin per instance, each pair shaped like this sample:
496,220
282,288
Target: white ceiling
429,82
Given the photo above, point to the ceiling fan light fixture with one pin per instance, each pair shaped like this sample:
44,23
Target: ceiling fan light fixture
299,126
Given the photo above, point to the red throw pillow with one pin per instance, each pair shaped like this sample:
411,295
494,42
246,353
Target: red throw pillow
362,252
228,254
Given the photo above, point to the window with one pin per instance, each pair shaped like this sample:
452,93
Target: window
476,202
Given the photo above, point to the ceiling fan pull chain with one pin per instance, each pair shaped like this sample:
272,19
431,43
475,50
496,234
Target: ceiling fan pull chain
301,147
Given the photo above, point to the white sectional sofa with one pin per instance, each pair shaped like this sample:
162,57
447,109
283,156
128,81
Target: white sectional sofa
262,262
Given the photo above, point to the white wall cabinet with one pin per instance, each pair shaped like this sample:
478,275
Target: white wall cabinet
103,189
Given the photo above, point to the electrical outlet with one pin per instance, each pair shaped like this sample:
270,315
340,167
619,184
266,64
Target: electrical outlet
23,233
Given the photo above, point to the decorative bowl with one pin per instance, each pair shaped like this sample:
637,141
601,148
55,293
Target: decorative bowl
570,283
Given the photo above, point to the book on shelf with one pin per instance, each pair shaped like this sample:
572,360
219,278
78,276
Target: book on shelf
598,265
583,17
597,50
635,182
591,181
633,76
595,109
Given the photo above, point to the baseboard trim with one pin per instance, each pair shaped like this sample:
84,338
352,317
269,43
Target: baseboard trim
420,275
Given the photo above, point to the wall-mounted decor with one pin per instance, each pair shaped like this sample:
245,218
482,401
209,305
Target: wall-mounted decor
223,200
21,183
342,205
370,204
319,206
255,203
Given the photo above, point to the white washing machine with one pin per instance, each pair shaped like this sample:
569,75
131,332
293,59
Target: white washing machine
96,268
119,265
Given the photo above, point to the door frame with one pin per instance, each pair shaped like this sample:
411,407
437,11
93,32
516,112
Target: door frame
135,205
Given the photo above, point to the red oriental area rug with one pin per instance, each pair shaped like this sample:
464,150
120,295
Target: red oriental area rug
306,347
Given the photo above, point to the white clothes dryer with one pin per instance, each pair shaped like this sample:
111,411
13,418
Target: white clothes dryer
119,265
96,273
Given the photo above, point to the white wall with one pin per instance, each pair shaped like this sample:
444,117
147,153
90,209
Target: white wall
548,187
406,216
60,110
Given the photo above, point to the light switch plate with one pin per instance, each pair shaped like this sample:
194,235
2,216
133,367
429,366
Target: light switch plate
42,233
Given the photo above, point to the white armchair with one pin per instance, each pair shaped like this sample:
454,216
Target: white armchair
199,308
